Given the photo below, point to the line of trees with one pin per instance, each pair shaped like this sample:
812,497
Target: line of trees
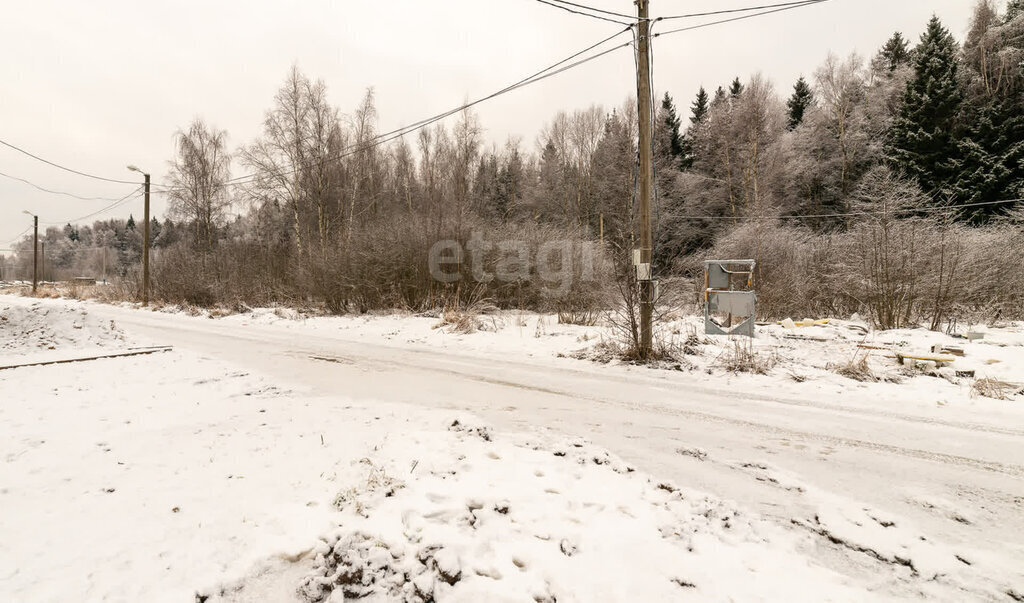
859,158
106,249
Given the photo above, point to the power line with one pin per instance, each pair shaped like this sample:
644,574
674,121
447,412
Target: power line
120,201
751,16
598,10
66,169
739,10
19,235
576,12
52,192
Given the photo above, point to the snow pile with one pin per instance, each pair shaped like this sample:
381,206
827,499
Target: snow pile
471,517
26,329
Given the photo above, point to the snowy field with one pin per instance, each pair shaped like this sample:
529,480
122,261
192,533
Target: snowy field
184,475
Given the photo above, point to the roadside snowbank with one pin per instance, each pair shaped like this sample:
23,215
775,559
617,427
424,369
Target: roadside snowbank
42,327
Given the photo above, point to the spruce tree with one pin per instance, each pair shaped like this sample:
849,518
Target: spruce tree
720,97
1014,9
154,228
698,114
131,222
672,122
991,145
922,140
736,89
798,104
699,108
991,156
895,53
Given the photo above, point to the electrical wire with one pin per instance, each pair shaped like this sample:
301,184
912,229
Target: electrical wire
597,10
52,192
66,169
19,235
739,10
741,18
130,196
576,12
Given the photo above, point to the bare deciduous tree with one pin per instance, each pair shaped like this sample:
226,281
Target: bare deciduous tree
198,175
888,246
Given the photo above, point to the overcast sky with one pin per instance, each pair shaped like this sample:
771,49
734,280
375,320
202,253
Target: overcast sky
98,85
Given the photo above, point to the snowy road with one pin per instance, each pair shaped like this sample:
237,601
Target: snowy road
949,480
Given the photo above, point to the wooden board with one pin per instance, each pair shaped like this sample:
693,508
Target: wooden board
88,358
938,360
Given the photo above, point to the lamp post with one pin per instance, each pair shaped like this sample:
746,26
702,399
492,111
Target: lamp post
145,240
35,249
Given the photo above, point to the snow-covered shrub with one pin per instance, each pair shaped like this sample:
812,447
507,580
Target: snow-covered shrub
992,274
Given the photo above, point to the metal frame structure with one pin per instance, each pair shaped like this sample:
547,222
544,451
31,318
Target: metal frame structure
721,294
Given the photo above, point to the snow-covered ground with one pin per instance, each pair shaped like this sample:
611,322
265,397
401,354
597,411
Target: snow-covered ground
165,476
153,478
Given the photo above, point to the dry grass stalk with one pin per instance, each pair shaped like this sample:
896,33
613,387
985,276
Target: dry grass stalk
478,315
857,369
743,358
989,387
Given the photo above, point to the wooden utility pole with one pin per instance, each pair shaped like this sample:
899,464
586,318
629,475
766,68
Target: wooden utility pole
643,270
35,253
42,260
145,249
145,240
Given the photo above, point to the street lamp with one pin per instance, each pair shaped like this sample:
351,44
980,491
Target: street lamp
145,240
35,249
